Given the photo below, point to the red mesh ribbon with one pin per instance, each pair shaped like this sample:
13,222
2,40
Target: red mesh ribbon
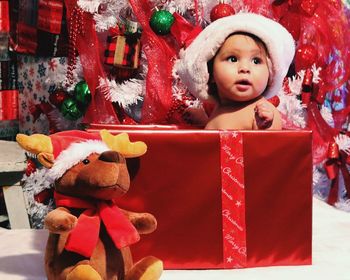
336,162
322,132
233,200
324,147
8,105
87,45
160,54
183,31
322,25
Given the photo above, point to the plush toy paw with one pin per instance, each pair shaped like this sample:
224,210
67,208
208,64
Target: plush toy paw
148,268
145,223
59,221
83,272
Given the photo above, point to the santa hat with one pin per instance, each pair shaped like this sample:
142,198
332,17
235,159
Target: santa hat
192,65
71,147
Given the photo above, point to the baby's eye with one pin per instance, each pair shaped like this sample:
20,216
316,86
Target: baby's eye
257,60
232,59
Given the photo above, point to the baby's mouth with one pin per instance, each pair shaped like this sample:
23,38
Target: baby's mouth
244,82
243,85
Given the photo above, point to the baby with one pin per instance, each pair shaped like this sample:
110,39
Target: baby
239,62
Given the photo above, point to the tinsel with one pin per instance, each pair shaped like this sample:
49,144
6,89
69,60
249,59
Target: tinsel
89,6
194,107
61,123
107,18
34,184
126,93
290,105
131,91
327,115
343,142
320,182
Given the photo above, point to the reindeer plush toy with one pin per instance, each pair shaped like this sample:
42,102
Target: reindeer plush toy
89,235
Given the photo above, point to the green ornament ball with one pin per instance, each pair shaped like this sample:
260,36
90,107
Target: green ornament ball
82,93
70,109
161,22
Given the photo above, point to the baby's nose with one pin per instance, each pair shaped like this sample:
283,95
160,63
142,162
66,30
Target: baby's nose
243,68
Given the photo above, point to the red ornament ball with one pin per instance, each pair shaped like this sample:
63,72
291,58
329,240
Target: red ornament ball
57,97
305,57
221,10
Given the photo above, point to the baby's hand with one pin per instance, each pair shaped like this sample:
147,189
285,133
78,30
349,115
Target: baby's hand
264,114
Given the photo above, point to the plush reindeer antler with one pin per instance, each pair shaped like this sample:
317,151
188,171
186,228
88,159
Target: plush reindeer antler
39,145
121,144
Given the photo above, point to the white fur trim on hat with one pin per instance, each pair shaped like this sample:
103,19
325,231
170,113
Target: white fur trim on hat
192,65
75,153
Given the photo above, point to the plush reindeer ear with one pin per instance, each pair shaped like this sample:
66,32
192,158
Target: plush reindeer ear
39,145
46,159
121,144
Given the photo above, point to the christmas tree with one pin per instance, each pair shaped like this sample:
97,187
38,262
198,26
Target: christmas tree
112,62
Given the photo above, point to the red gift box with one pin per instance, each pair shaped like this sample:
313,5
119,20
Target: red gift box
224,199
123,51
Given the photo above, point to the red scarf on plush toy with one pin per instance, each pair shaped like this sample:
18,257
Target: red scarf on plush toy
84,236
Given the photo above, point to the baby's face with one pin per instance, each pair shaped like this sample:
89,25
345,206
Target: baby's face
240,69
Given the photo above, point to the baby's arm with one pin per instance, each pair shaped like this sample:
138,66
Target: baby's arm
266,116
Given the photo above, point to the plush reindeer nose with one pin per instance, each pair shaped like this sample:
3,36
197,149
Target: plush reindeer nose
110,156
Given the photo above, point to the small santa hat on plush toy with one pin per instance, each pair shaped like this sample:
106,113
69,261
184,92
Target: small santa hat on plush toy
63,150
192,65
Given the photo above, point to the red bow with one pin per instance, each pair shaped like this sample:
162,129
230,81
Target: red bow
84,236
336,161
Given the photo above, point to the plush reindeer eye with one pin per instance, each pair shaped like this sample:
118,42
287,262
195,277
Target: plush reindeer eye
86,161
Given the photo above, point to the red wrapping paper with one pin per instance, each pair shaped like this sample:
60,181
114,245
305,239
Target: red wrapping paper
8,105
4,17
206,222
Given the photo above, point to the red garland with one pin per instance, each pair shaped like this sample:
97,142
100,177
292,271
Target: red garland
83,38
